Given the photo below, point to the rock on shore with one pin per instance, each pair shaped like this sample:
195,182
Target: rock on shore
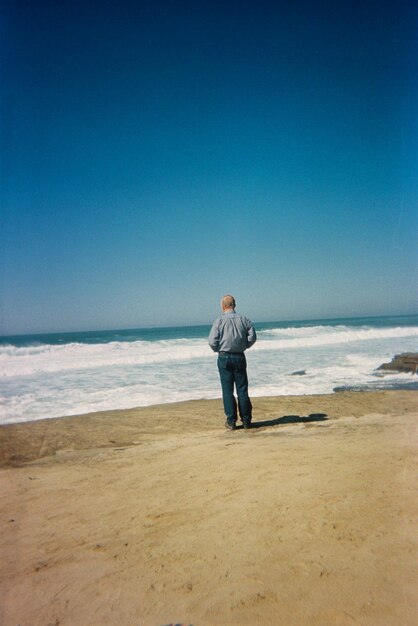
406,362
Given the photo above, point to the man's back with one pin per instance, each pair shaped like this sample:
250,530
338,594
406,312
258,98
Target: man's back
232,332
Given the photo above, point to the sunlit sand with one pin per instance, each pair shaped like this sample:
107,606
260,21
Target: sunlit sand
159,515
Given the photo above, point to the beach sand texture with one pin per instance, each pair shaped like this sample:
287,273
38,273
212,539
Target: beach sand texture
159,515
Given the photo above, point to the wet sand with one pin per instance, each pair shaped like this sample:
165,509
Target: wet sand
159,515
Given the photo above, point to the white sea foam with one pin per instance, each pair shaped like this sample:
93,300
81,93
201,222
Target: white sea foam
323,335
24,361
46,380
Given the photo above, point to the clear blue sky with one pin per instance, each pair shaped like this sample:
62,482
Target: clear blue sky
156,155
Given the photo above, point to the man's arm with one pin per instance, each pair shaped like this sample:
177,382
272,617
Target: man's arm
214,336
252,335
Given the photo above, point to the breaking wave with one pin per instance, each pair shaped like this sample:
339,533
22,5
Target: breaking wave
52,379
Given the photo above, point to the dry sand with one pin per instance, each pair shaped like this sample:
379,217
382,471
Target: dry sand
160,515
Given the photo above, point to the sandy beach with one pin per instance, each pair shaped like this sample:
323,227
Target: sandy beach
159,515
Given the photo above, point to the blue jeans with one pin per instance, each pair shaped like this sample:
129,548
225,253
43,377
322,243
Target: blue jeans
233,371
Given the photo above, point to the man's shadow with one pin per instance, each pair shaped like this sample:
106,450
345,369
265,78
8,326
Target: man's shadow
291,419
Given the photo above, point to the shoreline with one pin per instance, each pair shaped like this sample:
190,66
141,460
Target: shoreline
160,515
409,386
22,442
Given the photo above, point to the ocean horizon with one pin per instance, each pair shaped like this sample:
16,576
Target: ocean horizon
44,375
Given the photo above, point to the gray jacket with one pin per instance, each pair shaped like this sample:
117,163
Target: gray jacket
232,332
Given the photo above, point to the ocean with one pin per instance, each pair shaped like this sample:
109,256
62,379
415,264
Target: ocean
53,375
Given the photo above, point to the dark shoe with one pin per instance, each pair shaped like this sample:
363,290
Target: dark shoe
230,425
247,424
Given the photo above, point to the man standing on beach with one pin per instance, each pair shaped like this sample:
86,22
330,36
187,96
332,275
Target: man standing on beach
230,336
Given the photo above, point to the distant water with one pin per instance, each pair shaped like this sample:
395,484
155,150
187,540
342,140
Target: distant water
59,374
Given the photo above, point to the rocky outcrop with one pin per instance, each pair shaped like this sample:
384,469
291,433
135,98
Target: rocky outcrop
406,362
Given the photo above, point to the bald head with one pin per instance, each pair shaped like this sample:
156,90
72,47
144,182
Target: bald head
228,302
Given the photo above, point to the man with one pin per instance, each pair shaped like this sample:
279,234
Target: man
230,336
